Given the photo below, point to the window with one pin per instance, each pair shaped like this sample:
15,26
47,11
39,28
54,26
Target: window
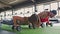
47,7
30,11
20,12
54,6
8,14
40,8
15,12
25,11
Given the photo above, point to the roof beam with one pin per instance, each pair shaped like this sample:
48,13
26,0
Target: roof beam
5,4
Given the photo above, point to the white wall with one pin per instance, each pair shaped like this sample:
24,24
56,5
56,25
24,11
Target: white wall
40,8
8,14
2,13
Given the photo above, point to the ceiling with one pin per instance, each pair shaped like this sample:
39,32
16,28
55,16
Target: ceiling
7,4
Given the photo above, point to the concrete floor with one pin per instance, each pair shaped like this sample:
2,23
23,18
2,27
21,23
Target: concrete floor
57,24
5,32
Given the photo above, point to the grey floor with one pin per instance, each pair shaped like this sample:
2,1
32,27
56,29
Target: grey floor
5,32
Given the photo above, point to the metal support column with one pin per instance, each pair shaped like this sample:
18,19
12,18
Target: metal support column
35,5
12,11
58,8
4,15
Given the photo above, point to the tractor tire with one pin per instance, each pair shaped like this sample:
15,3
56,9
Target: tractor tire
18,28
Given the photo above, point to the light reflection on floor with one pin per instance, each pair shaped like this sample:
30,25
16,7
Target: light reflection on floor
56,24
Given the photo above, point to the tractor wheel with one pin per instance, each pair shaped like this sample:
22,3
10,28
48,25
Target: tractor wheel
18,28
12,27
51,24
47,24
30,26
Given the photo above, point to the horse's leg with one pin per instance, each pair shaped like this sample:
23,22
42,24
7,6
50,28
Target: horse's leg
33,25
